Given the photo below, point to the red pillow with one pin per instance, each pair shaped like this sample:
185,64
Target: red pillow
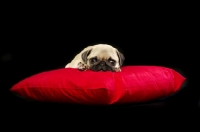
133,84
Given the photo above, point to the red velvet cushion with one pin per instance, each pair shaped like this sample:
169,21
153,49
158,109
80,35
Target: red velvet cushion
132,84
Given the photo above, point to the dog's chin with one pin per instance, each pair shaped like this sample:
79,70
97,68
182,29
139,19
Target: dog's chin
102,68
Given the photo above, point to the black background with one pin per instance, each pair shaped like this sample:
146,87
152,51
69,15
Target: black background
41,39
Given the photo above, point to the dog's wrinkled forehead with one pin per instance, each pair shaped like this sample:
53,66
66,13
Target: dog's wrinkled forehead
103,52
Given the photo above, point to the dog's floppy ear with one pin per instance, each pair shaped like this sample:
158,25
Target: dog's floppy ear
121,58
85,55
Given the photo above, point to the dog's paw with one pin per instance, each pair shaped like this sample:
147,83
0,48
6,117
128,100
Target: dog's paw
117,69
82,66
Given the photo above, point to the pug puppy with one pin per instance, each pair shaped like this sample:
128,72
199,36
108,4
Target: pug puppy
99,57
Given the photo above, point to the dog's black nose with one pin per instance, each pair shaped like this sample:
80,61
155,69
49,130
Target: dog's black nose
102,63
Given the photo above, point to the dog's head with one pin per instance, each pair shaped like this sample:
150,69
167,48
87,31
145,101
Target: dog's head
103,57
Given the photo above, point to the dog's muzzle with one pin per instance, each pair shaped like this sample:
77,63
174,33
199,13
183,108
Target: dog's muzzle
101,66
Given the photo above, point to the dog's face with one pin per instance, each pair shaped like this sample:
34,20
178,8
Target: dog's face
103,57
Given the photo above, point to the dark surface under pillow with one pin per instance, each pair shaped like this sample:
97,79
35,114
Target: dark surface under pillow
172,107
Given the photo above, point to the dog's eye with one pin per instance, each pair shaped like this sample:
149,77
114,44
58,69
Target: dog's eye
112,62
92,60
